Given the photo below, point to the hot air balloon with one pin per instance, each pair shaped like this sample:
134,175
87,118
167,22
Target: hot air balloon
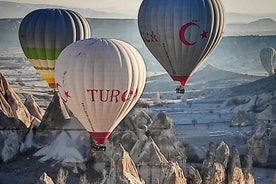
267,57
44,33
100,80
181,34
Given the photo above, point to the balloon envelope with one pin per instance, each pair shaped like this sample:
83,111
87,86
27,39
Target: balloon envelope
267,57
181,33
43,33
100,80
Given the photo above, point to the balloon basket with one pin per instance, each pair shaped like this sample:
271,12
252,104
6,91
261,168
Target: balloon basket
51,92
180,90
99,148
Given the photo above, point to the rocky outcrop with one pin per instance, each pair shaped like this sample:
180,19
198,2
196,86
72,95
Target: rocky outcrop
14,120
124,169
235,174
56,115
243,118
45,179
161,131
258,144
34,108
56,119
9,145
193,176
11,104
134,138
153,165
223,165
262,143
213,171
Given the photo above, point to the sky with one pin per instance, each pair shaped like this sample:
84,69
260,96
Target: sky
239,6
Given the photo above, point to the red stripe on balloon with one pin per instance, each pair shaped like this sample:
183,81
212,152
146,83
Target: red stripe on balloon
100,137
182,79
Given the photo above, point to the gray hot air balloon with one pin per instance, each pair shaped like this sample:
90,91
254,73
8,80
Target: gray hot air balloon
181,34
267,56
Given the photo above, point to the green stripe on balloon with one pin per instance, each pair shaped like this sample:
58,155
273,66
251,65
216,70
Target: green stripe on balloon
42,53
44,68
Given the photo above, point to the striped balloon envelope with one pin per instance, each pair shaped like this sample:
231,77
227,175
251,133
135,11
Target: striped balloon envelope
100,81
181,34
44,33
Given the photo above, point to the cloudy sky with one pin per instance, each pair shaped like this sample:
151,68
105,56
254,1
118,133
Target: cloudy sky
241,6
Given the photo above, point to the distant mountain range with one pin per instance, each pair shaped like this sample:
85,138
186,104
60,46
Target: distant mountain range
19,10
264,26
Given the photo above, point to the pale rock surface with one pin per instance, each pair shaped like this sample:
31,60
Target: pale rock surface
123,169
223,165
152,164
161,131
242,118
193,176
269,113
33,107
215,164
11,104
247,168
45,179
258,144
131,129
14,119
135,134
235,174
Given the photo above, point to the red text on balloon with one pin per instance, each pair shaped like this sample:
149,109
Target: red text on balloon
112,95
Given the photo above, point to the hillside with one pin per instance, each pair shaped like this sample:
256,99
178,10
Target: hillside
19,10
262,26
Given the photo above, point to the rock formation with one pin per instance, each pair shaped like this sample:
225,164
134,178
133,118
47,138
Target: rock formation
45,179
11,104
123,169
242,118
223,165
258,144
14,120
136,135
33,107
9,145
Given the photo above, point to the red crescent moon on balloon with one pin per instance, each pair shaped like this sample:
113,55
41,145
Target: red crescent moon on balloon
182,32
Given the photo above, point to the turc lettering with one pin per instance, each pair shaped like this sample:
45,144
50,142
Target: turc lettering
112,95
129,95
102,95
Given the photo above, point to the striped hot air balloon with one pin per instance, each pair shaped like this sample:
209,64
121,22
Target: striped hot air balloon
100,80
181,34
44,33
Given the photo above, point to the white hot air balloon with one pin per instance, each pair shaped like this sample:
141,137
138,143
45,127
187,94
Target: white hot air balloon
100,80
181,34
267,57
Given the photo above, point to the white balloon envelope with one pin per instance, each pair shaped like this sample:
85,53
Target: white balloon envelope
100,80
181,34
267,57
